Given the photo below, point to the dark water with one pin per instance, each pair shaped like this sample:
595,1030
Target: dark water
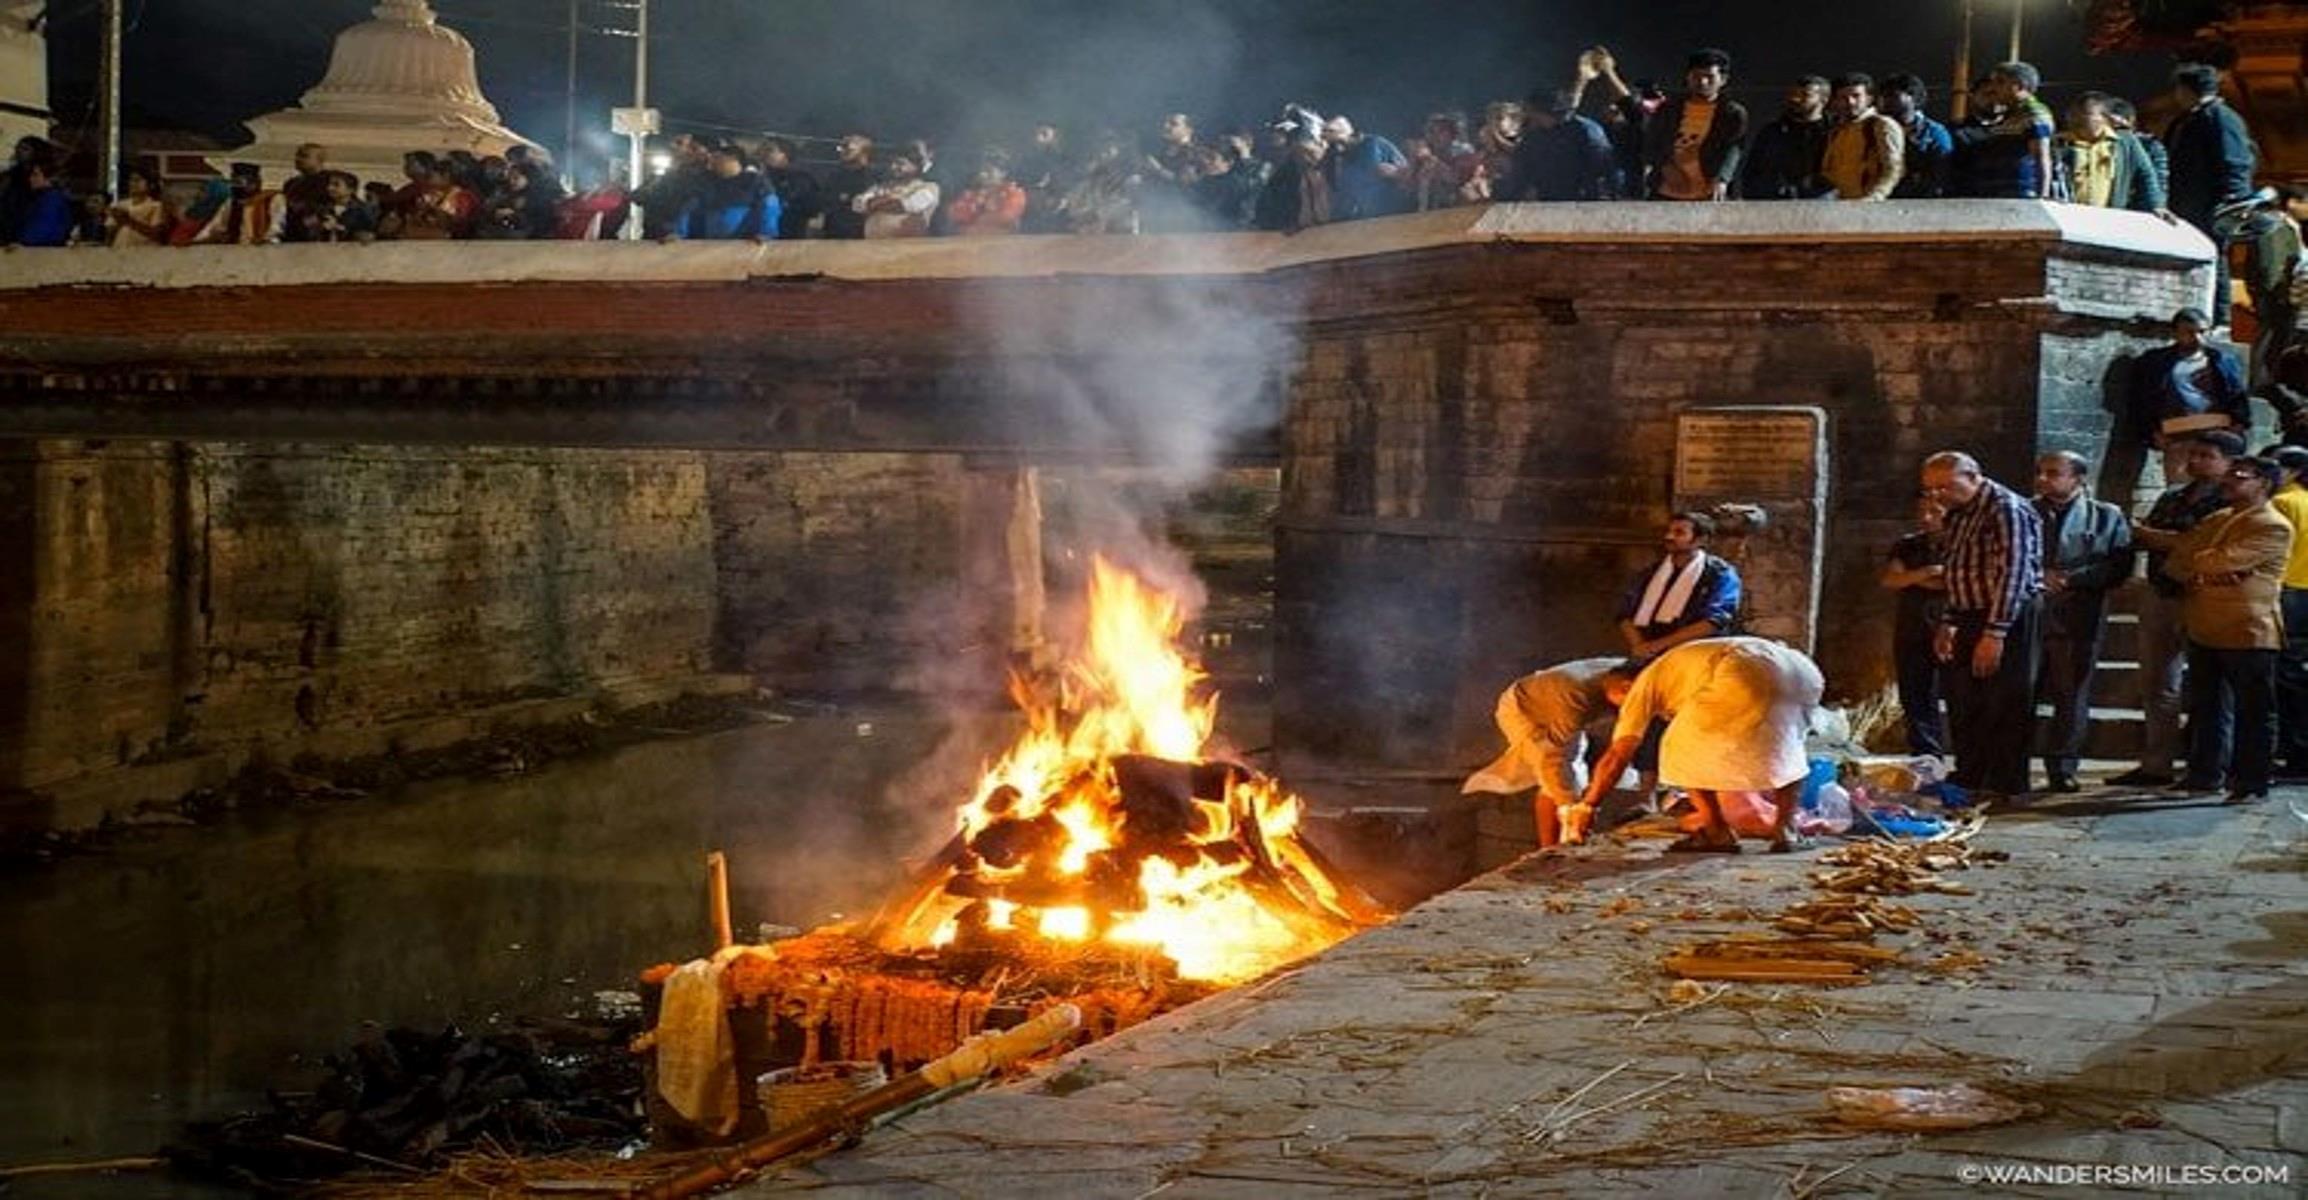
179,974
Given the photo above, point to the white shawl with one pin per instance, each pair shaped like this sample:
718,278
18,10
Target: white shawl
1669,593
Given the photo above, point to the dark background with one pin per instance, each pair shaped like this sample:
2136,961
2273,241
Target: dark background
984,69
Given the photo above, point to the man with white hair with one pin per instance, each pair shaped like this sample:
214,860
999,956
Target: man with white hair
1988,637
1366,172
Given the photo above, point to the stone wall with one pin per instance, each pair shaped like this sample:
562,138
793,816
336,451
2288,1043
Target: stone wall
217,603
170,612
862,573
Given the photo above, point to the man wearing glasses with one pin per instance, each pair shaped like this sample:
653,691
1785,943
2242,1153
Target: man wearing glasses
2232,566
1987,639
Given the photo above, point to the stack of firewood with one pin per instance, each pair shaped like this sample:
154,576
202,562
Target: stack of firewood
1904,868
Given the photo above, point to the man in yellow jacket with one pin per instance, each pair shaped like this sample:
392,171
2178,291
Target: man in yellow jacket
2232,566
2291,500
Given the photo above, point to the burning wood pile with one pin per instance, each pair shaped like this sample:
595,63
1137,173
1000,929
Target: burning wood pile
1109,860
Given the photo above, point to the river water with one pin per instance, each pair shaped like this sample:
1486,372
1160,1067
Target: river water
180,972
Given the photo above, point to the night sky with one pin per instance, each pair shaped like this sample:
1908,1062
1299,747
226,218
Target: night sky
979,70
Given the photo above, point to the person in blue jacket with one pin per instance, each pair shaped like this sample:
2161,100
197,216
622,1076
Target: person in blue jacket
49,215
735,202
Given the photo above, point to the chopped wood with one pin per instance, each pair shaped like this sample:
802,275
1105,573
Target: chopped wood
1830,974
1780,960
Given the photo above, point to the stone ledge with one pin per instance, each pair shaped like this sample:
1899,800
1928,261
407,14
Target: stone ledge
88,800
1937,222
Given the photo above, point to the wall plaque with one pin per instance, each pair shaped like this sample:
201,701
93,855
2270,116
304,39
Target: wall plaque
1747,455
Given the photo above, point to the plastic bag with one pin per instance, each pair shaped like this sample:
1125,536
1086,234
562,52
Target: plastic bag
1960,1106
1832,813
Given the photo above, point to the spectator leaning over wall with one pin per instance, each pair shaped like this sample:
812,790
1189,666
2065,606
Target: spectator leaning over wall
1695,144
1929,145
2108,166
734,203
1784,162
2006,154
1867,152
2212,161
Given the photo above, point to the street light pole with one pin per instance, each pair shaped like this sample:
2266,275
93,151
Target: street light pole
569,106
636,162
108,102
2019,12
1960,104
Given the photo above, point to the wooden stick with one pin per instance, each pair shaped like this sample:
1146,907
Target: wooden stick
332,1148
83,1168
717,898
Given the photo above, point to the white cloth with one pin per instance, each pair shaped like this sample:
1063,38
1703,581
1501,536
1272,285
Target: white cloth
1736,710
1669,592
1544,718
696,1053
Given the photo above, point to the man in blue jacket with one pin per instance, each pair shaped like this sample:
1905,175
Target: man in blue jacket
1562,155
734,203
2212,161
2188,387
1689,594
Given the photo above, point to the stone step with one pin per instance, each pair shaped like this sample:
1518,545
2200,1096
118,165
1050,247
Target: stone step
2117,684
2115,733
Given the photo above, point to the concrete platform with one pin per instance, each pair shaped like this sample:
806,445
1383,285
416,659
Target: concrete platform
2146,965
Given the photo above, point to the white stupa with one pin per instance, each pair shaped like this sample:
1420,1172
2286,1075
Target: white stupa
23,72
398,82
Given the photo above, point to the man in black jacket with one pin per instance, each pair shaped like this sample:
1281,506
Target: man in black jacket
797,190
1694,145
2212,161
1784,162
853,176
2087,553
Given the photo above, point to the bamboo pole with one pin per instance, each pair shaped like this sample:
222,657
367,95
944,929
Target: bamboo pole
717,899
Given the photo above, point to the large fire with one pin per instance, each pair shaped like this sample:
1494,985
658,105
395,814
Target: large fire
1105,824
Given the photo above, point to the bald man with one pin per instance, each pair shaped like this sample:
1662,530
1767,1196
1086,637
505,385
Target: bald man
1988,637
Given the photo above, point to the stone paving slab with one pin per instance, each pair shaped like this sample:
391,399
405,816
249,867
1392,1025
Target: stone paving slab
2147,988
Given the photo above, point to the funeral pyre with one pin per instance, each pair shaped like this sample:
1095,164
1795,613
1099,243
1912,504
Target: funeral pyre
1108,859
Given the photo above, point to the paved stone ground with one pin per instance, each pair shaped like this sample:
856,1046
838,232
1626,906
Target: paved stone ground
2148,964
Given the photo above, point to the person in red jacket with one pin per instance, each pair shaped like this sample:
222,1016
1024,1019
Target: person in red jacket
992,206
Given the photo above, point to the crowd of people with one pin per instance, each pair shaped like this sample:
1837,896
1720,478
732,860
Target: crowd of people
1598,137
2004,605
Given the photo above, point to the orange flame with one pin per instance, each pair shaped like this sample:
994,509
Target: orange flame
1231,896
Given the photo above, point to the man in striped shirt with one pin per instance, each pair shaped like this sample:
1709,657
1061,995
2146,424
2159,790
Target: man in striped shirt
1987,640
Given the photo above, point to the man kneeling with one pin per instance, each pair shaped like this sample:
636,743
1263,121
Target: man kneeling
1737,710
